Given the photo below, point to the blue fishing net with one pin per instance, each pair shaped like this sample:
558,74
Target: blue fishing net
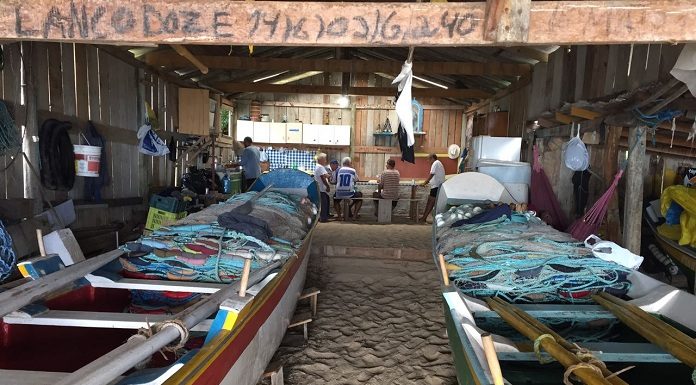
522,259
8,258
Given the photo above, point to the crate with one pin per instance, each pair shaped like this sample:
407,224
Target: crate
157,218
168,204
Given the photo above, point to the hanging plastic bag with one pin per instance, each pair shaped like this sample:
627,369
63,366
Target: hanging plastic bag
150,143
575,154
610,251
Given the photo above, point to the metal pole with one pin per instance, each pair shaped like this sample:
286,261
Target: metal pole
14,299
111,365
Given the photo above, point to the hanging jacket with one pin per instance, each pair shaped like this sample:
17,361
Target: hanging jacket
93,186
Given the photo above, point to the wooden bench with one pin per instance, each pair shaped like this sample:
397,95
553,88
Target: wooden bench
312,293
275,372
301,319
384,209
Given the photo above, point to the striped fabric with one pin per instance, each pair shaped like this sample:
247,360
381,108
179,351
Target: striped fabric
389,180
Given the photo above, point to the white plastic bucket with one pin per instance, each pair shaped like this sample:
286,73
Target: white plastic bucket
87,159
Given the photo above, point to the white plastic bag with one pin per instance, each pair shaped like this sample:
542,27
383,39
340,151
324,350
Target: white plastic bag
575,154
610,251
150,143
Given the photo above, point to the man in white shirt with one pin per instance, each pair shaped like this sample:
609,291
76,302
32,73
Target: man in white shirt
345,187
436,179
321,176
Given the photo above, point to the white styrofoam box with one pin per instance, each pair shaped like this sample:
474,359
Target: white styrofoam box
245,128
278,132
495,148
506,172
63,243
293,133
262,132
518,191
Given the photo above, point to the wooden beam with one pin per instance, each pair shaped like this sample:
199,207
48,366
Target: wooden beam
171,60
584,113
229,87
633,196
530,53
356,24
610,163
358,106
184,52
678,152
507,21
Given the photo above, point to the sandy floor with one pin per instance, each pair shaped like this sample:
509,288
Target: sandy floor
413,236
378,322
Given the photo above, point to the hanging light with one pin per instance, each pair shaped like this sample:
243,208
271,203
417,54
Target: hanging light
343,101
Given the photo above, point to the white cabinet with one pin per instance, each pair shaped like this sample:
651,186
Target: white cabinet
310,133
326,135
278,133
245,128
262,132
342,135
293,133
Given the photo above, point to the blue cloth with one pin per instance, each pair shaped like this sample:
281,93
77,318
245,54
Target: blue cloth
251,162
673,213
486,216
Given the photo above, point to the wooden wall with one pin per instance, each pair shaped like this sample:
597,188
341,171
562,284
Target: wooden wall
443,121
78,83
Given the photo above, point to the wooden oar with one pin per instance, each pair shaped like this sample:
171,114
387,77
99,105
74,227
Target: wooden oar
566,358
642,314
658,336
492,358
561,341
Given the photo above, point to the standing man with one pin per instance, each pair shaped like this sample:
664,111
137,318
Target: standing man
250,162
388,185
345,187
336,202
321,176
436,179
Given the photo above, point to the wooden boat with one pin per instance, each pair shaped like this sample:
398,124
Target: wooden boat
81,336
682,256
620,344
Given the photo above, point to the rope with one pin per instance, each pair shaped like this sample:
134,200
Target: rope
572,368
537,348
8,258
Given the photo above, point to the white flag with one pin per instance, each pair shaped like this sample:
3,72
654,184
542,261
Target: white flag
404,110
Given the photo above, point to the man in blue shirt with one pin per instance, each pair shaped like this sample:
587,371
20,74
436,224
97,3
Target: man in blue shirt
250,162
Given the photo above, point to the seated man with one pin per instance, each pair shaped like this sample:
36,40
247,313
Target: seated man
345,187
388,185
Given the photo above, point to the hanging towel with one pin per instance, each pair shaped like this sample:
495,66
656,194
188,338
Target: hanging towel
685,68
404,110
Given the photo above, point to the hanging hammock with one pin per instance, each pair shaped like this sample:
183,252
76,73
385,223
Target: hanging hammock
588,225
542,197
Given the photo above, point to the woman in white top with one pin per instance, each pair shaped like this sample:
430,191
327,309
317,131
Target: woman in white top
436,179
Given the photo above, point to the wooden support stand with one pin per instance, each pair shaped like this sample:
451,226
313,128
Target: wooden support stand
301,319
245,278
384,211
633,199
275,372
312,293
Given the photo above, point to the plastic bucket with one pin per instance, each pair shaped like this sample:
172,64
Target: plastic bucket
87,159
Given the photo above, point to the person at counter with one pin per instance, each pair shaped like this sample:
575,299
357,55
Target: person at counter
345,187
436,179
388,185
321,176
250,162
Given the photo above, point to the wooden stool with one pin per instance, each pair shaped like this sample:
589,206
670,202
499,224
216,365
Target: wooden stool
301,319
345,203
275,372
312,293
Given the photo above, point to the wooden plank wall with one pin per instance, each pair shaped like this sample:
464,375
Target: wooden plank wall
584,73
442,126
78,83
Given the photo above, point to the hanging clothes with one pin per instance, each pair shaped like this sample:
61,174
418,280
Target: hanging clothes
404,110
542,198
57,159
408,154
581,190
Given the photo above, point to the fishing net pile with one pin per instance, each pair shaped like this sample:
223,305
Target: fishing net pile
495,252
211,245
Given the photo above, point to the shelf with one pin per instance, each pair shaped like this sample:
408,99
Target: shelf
383,133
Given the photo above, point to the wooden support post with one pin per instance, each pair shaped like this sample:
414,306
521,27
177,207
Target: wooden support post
492,358
507,21
443,270
245,277
633,198
610,162
39,239
183,51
